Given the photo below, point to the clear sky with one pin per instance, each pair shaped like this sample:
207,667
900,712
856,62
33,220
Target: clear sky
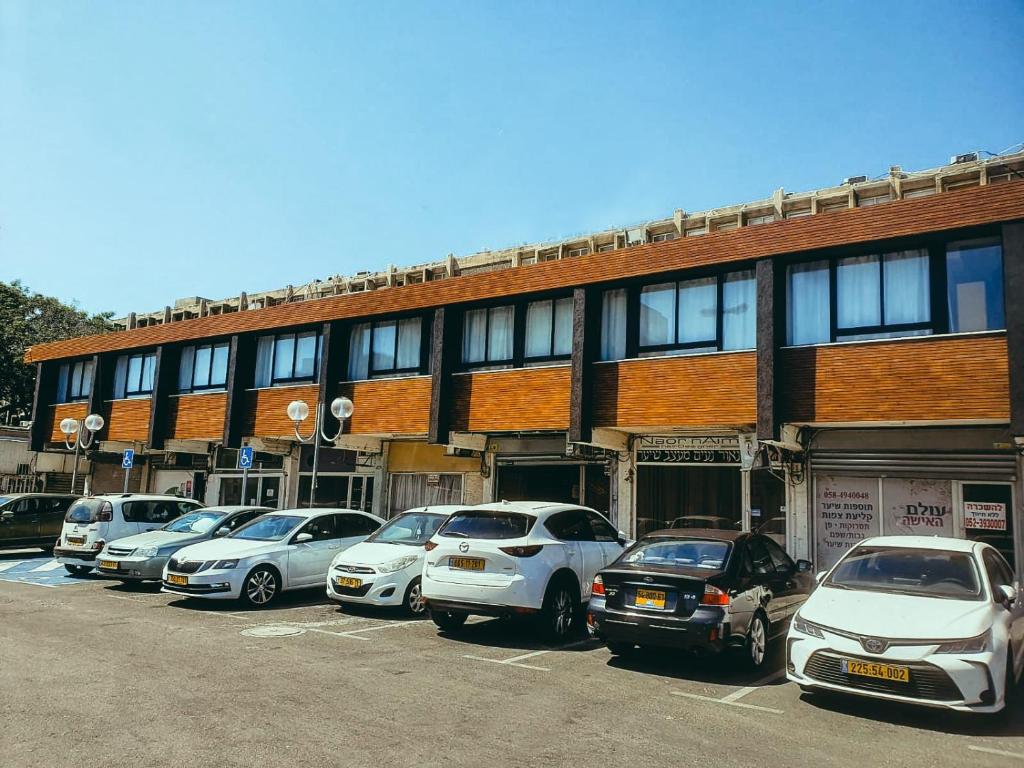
155,150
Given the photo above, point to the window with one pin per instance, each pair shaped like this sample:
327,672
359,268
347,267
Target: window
287,358
613,324
356,525
760,561
999,573
157,511
782,562
385,348
485,524
410,490
203,367
133,375
549,329
321,528
74,381
571,525
974,284
603,531
487,335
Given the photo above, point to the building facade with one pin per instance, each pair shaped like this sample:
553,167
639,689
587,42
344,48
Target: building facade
821,367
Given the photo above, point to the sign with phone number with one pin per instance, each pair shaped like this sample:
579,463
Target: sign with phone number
987,515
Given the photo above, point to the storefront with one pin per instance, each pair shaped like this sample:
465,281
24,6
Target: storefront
959,482
266,485
344,479
421,475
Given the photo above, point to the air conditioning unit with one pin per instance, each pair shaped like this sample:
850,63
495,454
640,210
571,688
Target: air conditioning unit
854,179
967,157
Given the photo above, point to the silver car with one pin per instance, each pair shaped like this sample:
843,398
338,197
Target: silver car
142,557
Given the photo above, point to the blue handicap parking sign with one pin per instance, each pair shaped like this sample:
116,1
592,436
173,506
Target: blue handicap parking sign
128,459
245,457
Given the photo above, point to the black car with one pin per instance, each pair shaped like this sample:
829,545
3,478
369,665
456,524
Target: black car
700,589
32,519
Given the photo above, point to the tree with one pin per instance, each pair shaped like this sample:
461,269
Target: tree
27,319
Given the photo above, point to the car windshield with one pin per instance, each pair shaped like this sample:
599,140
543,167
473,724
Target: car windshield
487,524
194,522
268,528
904,570
83,511
411,528
4,500
685,553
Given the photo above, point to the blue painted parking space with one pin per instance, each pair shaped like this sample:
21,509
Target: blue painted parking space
41,570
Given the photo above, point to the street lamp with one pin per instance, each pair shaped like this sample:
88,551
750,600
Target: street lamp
298,412
84,438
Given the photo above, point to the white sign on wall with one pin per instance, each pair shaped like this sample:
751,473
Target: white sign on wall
917,507
989,515
846,511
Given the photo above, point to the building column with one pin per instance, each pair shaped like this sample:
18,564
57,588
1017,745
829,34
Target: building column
42,397
241,375
769,334
1013,289
586,330
332,368
444,351
168,358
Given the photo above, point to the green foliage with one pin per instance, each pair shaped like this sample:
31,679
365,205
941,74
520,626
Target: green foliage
26,319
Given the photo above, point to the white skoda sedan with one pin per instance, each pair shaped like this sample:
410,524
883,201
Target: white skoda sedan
923,620
517,558
385,569
278,551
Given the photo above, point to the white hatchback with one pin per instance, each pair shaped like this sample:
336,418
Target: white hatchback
923,620
517,558
385,569
91,523
278,551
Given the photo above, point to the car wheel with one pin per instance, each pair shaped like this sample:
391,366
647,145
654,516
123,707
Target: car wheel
561,610
756,647
621,649
260,587
77,570
413,602
449,621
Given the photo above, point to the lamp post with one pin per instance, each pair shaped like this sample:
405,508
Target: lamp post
84,437
298,412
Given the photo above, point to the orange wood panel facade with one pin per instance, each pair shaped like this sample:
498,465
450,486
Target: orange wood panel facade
389,406
914,379
66,411
949,210
266,410
511,400
685,391
197,417
128,420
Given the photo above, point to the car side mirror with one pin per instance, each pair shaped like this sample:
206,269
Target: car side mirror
622,538
1009,594
302,538
7,514
222,531
820,576
803,566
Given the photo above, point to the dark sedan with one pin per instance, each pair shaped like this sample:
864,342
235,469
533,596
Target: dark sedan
704,589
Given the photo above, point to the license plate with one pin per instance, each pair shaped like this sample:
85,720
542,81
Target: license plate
110,565
344,581
181,581
466,563
649,598
76,540
873,669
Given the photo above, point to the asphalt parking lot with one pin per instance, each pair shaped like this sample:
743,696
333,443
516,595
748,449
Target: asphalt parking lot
93,672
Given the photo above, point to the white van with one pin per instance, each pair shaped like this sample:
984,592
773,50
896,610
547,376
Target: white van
92,523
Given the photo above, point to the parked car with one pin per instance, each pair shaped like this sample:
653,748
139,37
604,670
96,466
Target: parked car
142,557
282,550
32,519
386,568
925,620
516,558
709,590
92,522
706,521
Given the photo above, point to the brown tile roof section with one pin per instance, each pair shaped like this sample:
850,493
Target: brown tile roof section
949,210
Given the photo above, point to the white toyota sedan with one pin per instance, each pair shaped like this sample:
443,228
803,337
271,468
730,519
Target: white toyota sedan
385,569
923,620
278,551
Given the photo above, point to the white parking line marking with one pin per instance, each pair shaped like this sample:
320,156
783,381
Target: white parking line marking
514,659
726,702
354,634
736,695
990,751
509,662
23,580
5,566
53,565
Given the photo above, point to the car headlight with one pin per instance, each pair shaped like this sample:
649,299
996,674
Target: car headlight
224,564
805,627
397,565
146,552
977,644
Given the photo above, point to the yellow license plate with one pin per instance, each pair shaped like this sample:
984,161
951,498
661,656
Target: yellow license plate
873,669
181,581
109,564
344,581
76,540
649,598
466,563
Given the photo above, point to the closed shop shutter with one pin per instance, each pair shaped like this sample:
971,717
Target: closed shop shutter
959,465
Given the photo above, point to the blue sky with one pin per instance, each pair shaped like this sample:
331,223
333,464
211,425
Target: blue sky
154,150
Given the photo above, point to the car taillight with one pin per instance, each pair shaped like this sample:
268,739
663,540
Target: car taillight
430,545
106,513
99,545
527,551
598,586
714,596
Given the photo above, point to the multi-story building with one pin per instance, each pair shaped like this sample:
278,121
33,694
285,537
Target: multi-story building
823,366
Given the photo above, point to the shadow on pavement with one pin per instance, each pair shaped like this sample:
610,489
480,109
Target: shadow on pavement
720,669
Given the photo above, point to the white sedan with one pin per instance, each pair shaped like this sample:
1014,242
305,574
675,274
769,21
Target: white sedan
290,549
385,569
924,620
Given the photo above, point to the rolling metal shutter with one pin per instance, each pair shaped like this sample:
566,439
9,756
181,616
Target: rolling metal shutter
961,465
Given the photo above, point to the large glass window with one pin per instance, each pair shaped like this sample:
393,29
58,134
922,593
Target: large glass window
203,366
974,282
133,375
739,311
287,358
809,306
613,324
385,348
74,381
549,329
487,335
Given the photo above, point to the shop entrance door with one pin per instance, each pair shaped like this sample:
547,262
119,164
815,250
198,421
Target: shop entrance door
987,510
768,506
261,490
688,497
558,483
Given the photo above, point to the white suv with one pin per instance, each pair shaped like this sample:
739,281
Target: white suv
94,522
517,558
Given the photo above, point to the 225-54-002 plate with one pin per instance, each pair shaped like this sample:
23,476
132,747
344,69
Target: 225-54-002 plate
873,669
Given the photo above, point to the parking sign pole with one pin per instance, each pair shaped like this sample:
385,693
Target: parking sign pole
245,480
127,474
